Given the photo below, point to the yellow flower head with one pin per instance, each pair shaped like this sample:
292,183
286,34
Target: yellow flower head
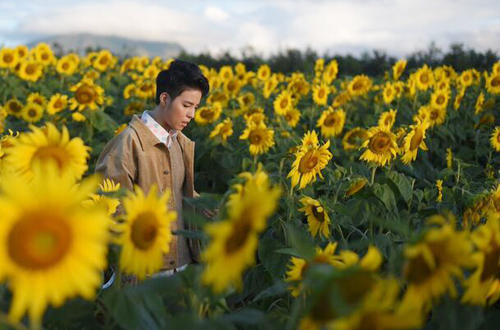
381,146
317,217
432,263
52,248
9,58
331,122
234,240
320,94
398,69
145,233
387,118
354,138
413,141
309,161
495,139
208,114
48,144
359,85
32,112
57,104
224,130
87,95
283,103
261,138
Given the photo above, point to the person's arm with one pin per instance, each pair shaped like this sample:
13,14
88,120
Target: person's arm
117,168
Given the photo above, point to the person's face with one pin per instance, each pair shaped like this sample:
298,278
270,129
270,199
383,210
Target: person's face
178,113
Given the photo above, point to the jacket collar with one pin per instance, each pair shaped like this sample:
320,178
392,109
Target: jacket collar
149,140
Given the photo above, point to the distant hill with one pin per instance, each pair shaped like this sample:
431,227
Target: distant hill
80,43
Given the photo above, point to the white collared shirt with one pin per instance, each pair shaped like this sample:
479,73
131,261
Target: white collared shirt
161,133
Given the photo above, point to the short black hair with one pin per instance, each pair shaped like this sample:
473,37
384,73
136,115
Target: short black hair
180,75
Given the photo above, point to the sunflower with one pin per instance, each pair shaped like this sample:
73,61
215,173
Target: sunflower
103,60
359,85
449,158
264,72
9,58
30,70
341,99
78,117
398,69
224,130
292,116
495,139
226,73
331,71
66,65
208,114
44,144
436,116
483,286
389,93
14,108
37,98
439,186
440,98
87,95
466,78
355,186
283,103
309,141
255,117
317,217
320,93
479,106
424,78
52,248
458,98
234,241
387,119
32,112
145,89
144,233
433,261
261,138
44,55
110,203
381,146
354,138
232,87
379,310
413,141
57,103
308,164
493,83
246,100
133,108
270,86
331,122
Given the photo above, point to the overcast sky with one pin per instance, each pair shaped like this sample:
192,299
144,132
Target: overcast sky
337,26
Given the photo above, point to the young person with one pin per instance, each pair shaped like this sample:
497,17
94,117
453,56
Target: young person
153,150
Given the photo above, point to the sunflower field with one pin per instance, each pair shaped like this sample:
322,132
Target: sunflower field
345,202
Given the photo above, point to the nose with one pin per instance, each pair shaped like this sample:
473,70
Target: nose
190,113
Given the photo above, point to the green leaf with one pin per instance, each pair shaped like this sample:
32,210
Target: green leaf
386,195
403,184
274,263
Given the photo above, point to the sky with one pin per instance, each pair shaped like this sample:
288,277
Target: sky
328,26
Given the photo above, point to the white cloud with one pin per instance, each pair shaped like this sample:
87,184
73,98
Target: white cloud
216,14
340,26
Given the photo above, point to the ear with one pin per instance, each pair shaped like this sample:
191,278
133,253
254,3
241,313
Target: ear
165,99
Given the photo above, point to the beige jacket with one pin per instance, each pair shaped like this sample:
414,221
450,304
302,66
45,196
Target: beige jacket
136,156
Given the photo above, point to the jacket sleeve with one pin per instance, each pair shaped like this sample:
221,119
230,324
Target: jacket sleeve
117,168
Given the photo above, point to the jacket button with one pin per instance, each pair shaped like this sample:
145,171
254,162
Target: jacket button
165,172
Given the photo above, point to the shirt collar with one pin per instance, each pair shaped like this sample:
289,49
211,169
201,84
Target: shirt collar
163,135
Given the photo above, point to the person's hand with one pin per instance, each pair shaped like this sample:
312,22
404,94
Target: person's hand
209,213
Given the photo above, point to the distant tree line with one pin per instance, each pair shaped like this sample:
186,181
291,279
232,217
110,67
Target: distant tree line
373,63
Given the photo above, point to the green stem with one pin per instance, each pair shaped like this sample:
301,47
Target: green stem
374,169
